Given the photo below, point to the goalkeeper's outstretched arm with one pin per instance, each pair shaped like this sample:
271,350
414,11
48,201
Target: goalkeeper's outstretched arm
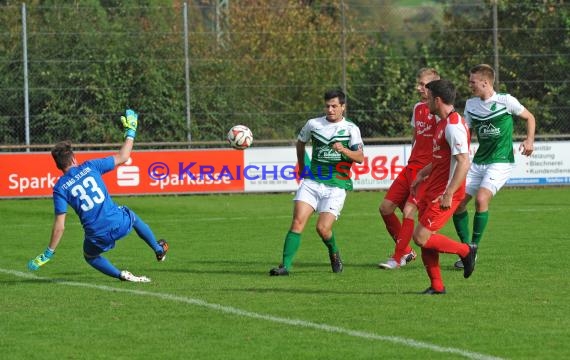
123,155
57,231
56,235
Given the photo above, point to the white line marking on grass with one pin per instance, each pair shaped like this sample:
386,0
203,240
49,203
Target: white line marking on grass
293,322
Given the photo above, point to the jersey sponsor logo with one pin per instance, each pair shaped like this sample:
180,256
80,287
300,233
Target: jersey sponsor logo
488,130
325,153
423,128
436,146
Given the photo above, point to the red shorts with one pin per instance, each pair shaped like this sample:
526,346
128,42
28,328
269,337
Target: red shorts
433,217
399,191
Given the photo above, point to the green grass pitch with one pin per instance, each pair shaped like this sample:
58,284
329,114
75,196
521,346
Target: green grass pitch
213,299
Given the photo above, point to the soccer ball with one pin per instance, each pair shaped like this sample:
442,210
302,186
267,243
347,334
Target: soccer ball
240,137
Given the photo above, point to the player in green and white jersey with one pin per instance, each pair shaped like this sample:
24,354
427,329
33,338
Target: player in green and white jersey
490,116
336,143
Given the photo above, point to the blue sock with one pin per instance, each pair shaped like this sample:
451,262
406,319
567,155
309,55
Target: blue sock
145,233
102,264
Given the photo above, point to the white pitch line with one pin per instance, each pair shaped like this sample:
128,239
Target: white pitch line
281,320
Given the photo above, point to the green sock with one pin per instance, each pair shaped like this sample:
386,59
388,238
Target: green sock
331,244
292,242
479,224
461,222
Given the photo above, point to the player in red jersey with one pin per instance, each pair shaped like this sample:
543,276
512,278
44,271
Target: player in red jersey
444,185
398,195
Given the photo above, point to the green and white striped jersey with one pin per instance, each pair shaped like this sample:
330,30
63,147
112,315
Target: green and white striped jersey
492,121
328,166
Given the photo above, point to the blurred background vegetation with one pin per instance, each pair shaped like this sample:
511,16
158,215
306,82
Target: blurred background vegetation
265,64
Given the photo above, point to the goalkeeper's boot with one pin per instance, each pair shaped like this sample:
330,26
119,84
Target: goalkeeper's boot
279,271
127,276
432,291
161,256
469,261
336,262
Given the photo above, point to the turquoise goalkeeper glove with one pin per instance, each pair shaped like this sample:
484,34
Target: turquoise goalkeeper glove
130,123
40,260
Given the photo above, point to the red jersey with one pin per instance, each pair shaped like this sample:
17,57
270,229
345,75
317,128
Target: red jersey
424,125
451,137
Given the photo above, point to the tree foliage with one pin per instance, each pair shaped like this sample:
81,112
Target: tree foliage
273,62
533,48
263,63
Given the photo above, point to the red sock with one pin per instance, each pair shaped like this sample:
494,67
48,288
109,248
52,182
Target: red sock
392,225
430,259
404,237
443,244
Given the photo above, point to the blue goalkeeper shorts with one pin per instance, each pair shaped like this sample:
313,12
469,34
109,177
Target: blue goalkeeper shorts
96,244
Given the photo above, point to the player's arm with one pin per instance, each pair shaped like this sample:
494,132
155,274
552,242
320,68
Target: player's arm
57,231
421,176
463,162
355,153
125,152
424,172
527,146
130,124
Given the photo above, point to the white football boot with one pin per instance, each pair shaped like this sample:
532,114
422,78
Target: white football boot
127,276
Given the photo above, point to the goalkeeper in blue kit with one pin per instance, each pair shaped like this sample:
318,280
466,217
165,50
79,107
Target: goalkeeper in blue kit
104,222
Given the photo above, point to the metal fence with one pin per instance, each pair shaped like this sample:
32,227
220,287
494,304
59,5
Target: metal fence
196,107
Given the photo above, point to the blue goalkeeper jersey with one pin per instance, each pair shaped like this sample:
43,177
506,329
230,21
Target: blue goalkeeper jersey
82,187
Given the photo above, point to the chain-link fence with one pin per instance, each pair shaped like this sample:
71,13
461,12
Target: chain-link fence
192,70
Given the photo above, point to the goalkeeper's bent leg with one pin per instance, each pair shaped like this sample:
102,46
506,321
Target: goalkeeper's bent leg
103,265
145,233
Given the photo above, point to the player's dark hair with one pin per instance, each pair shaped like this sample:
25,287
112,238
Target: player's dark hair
336,93
484,70
62,155
443,89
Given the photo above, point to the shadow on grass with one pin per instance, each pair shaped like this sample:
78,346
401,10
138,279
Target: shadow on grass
318,291
19,281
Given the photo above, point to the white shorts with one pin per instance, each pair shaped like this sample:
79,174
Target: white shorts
489,176
321,197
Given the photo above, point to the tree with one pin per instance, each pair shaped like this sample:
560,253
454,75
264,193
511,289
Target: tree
533,47
274,66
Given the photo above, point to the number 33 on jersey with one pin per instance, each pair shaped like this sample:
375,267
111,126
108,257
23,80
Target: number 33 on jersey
83,188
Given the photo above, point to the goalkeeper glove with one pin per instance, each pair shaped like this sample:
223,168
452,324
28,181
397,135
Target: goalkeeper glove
40,260
130,123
